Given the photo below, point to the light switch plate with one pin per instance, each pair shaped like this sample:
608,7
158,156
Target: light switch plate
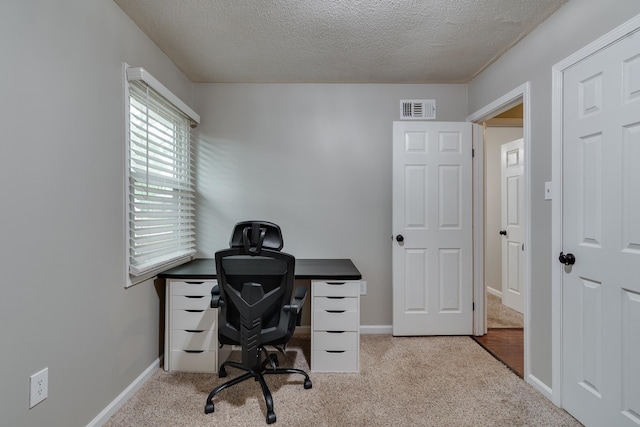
547,190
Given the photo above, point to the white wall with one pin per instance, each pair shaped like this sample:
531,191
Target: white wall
63,303
315,159
494,137
573,26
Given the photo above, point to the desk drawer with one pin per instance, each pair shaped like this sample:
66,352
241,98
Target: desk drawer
203,361
201,320
192,287
336,289
335,303
335,321
191,302
194,340
327,361
323,340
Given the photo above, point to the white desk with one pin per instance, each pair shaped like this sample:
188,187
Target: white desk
191,331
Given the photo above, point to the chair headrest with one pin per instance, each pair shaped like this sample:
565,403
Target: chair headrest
255,236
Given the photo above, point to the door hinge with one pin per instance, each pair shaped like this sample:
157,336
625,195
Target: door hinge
473,152
473,306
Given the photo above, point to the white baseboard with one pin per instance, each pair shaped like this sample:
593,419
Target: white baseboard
494,291
126,394
376,329
544,389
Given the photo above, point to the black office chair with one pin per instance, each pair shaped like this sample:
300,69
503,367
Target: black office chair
253,295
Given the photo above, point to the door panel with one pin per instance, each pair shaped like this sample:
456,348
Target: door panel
416,297
415,203
450,286
591,325
631,187
432,210
630,351
450,194
601,227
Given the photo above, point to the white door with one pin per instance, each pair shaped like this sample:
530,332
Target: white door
601,233
512,217
432,228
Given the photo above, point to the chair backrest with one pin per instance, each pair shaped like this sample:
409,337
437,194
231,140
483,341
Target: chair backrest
255,284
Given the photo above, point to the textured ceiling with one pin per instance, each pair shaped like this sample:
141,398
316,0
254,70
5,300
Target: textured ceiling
336,41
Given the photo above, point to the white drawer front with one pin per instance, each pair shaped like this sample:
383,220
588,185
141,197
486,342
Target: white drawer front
323,340
335,321
194,340
191,302
195,287
335,303
325,361
205,361
336,289
202,320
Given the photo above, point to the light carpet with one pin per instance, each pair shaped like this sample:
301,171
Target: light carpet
403,381
501,316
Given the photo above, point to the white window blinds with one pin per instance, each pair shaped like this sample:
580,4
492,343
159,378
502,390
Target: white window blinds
160,177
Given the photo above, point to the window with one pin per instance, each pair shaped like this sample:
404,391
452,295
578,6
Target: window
160,187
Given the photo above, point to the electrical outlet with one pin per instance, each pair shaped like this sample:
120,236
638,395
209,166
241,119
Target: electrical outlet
39,386
363,287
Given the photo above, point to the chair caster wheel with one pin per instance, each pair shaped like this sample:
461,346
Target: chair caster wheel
271,417
208,408
307,384
274,360
222,373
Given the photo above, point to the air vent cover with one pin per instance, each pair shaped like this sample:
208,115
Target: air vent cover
418,109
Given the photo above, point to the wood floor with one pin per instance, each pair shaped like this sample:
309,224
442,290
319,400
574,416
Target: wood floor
506,345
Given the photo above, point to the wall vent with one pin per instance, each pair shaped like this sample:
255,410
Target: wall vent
417,109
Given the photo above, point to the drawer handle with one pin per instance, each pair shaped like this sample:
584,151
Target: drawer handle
336,297
336,311
194,331
194,296
194,311
335,351
335,332
193,351
195,283
336,283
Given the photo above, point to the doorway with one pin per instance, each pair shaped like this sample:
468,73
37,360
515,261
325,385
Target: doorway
500,329
505,320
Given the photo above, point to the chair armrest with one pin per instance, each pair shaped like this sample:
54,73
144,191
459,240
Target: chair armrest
300,295
216,300
297,303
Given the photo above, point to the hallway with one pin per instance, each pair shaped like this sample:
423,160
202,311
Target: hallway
505,335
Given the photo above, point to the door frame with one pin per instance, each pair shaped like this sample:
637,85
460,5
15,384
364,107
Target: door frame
520,94
558,70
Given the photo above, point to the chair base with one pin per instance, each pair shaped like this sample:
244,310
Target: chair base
258,374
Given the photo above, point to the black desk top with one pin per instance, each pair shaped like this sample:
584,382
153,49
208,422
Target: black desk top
323,269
